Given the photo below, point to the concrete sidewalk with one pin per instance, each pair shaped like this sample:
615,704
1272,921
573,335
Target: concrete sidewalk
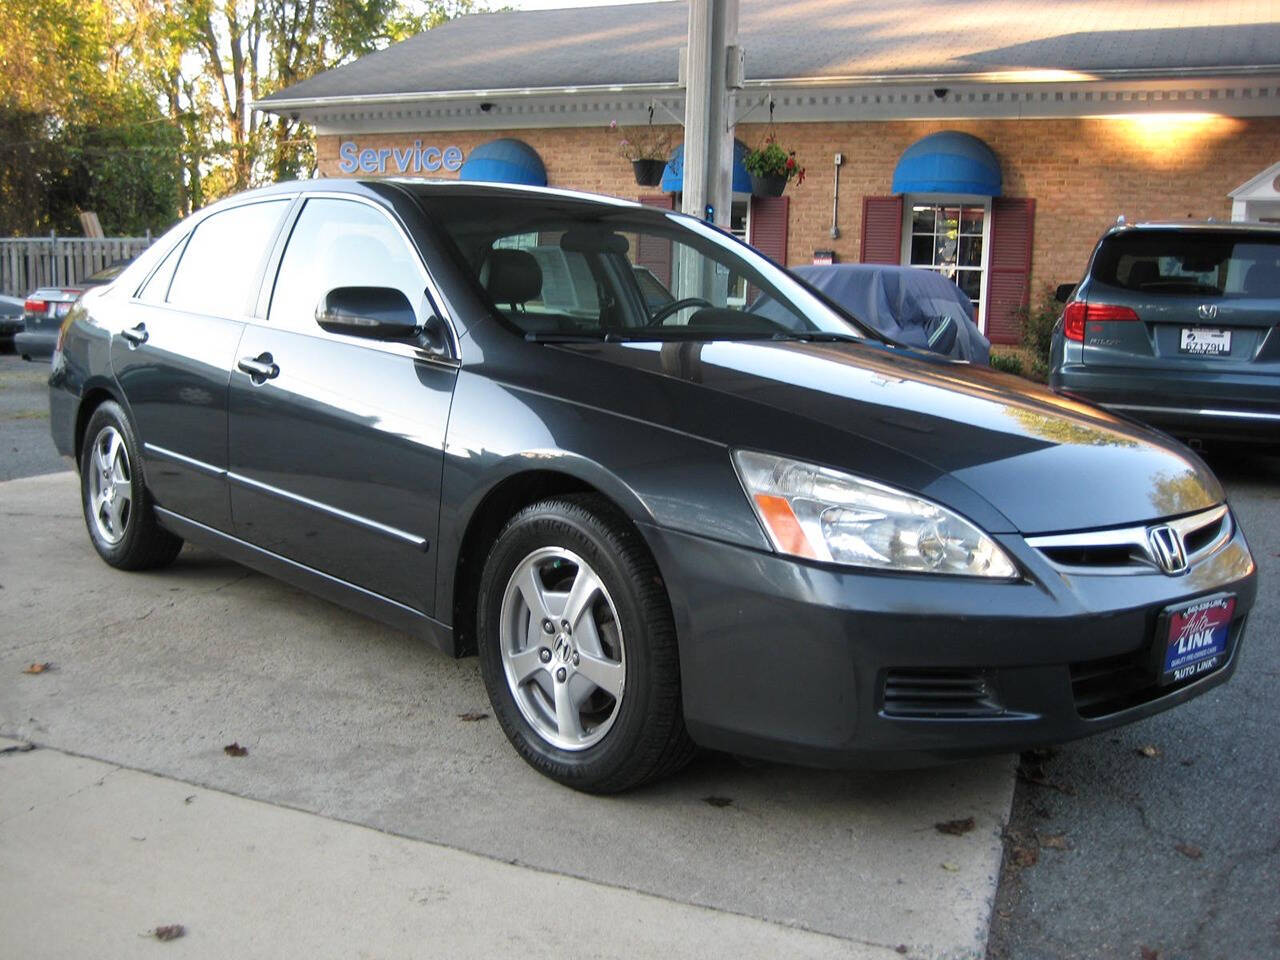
93,857
349,720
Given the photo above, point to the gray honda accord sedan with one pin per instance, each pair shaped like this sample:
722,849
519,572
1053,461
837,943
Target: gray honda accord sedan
659,524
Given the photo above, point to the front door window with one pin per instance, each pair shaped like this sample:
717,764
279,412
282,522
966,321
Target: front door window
949,238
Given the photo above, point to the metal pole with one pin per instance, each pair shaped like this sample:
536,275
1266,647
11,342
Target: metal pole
708,126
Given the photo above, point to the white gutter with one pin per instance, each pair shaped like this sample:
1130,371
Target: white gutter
673,87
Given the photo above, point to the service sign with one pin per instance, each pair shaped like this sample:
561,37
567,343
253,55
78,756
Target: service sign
414,158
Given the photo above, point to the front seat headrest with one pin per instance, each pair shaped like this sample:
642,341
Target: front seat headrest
511,276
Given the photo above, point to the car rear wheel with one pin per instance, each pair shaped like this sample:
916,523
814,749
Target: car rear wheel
117,507
578,647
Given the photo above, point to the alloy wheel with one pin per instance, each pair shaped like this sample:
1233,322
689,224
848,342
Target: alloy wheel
110,486
562,648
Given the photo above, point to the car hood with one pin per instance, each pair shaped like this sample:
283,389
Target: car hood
1045,462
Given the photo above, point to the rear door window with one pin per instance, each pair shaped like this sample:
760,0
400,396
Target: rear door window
221,260
1192,262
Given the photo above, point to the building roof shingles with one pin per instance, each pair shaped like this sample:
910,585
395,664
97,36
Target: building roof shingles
638,43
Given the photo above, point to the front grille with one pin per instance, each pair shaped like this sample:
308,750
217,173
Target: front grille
924,694
1128,550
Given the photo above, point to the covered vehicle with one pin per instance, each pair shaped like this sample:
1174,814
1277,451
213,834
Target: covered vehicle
1178,324
911,306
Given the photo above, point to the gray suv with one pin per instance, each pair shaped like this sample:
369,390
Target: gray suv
1176,324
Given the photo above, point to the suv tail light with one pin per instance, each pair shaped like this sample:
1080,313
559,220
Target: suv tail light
1078,313
33,305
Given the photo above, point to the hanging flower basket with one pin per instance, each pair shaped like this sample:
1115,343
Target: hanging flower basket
770,185
771,167
649,171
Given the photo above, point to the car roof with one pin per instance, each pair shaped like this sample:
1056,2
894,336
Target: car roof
1198,226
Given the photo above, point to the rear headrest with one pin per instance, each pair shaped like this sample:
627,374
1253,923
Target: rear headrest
511,276
1142,272
1263,280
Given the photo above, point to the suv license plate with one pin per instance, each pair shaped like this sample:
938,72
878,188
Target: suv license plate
1204,341
1196,641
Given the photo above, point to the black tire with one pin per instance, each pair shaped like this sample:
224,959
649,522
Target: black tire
646,739
142,543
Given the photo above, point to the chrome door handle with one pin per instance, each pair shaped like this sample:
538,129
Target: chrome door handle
260,368
136,336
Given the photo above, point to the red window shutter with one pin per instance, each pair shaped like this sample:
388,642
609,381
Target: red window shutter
654,252
882,230
768,227
1009,267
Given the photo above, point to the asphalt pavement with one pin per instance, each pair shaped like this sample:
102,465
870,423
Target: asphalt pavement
25,447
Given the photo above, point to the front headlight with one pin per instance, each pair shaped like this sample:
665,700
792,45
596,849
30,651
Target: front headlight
824,514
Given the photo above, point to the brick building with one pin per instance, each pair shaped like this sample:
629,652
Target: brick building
991,140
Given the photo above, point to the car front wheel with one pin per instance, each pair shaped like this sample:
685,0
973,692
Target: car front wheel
578,647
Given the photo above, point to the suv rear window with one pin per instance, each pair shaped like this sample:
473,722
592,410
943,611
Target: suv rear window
1197,262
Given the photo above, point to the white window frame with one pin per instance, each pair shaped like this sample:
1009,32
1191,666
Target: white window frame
946,200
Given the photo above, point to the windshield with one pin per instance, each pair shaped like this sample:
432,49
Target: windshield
556,268
1199,262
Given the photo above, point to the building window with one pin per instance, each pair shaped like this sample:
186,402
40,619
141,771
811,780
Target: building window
950,238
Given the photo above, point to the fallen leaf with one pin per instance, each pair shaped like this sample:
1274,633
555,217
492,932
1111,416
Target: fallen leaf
235,750
718,801
170,931
1054,841
1033,773
951,867
1189,850
188,800
955,828
38,668
1150,750
1149,954
1025,856
472,716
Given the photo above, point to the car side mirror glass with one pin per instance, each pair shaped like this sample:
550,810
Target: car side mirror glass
1064,292
374,313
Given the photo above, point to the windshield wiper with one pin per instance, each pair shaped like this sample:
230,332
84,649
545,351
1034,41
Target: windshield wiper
556,336
819,336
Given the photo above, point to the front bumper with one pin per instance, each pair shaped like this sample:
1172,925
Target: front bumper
790,661
1225,405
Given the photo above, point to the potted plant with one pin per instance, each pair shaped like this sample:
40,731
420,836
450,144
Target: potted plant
770,167
647,148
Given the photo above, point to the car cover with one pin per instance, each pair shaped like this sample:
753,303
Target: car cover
917,308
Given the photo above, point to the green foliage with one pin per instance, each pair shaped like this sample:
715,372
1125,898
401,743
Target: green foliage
771,160
1007,363
136,109
1038,321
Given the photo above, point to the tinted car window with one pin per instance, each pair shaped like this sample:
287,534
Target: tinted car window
221,258
552,266
1198,262
340,243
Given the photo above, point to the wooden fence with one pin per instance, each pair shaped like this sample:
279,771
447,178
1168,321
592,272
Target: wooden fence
30,262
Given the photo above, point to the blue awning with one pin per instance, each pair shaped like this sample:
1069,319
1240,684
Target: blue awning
948,162
505,161
673,175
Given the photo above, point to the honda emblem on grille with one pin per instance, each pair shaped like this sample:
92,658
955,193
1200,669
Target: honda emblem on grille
1166,547
1208,311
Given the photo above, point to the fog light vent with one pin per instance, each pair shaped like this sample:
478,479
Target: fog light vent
928,694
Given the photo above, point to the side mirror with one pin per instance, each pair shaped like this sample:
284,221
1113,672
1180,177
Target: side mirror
1064,292
375,313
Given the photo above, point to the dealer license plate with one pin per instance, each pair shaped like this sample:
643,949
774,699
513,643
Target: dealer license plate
1196,642
1204,341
